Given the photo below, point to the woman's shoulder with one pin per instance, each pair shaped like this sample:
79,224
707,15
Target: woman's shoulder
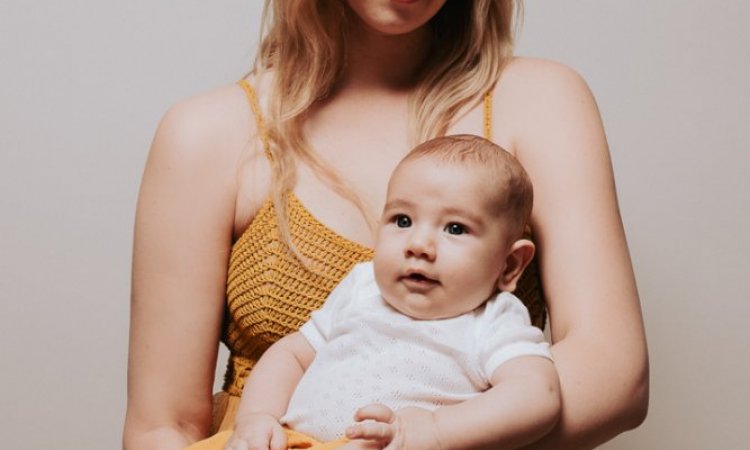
534,94
207,125
211,138
528,84
534,73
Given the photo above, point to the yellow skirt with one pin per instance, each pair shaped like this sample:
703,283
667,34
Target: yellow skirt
295,441
225,410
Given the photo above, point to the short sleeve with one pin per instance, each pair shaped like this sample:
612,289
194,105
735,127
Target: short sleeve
318,329
506,333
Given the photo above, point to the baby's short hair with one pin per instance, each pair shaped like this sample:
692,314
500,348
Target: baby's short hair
508,184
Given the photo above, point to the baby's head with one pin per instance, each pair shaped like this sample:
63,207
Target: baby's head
451,232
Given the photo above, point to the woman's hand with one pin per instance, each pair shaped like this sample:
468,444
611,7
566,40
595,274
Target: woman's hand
408,428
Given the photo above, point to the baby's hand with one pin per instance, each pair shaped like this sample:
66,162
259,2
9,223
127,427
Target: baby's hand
257,431
408,428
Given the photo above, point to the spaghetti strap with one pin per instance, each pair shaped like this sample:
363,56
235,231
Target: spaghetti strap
252,99
488,115
529,287
488,136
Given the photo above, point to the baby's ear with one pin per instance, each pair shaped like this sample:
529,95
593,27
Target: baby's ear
519,256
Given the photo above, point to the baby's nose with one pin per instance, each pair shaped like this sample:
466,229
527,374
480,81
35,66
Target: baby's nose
421,244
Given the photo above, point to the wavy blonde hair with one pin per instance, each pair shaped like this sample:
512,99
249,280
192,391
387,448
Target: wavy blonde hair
472,41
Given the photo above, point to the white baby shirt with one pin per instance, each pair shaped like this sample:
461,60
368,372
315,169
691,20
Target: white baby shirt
367,352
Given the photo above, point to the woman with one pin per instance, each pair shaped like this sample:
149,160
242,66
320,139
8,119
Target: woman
232,178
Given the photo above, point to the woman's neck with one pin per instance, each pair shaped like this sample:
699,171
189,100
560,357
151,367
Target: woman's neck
379,61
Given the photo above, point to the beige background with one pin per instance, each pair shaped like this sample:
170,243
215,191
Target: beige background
84,82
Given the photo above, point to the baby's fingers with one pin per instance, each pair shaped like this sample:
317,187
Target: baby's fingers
278,439
273,440
375,411
372,431
236,444
379,426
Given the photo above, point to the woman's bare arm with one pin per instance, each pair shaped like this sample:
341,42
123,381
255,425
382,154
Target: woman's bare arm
183,234
595,316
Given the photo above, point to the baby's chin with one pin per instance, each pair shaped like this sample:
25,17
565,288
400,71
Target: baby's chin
419,312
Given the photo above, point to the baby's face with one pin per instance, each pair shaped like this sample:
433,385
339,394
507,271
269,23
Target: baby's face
439,251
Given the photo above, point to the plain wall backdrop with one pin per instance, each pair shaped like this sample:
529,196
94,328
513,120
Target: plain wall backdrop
83,84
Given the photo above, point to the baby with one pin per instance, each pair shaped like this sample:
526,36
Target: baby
404,345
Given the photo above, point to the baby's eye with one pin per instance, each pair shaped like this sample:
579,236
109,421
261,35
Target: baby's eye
402,221
455,228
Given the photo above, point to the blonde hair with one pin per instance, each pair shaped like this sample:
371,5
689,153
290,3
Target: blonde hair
472,41
508,187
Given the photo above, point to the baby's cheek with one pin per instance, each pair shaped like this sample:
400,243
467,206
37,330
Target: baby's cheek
474,286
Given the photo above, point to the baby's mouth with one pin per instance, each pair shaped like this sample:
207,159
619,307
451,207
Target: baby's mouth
419,279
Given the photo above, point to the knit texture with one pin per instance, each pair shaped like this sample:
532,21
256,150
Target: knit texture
270,293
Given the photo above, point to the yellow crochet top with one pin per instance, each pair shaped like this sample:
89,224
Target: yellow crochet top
270,293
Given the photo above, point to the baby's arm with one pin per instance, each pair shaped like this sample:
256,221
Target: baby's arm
522,406
267,392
